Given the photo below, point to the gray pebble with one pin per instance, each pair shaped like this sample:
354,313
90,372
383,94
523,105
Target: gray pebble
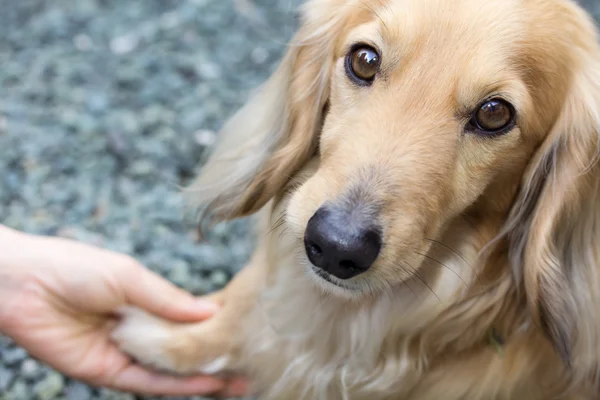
219,278
142,168
12,356
30,369
78,391
179,273
199,286
6,377
260,55
19,391
49,387
5,342
107,394
124,44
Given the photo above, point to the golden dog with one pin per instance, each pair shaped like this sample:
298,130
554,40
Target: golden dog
426,176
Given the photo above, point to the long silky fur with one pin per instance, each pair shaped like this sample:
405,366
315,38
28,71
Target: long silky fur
531,272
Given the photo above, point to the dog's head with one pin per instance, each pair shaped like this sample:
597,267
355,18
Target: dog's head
418,112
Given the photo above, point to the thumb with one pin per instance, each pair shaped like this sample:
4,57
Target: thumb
151,292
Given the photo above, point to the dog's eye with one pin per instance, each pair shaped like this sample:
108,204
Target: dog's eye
362,64
493,117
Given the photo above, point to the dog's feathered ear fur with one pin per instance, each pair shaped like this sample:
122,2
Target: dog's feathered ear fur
270,138
555,223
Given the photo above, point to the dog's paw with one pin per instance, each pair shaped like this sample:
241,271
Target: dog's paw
145,338
164,345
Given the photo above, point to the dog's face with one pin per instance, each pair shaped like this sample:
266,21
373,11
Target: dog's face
432,111
388,121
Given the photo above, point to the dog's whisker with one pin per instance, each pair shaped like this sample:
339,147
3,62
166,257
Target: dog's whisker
458,254
280,220
443,265
283,233
416,274
405,283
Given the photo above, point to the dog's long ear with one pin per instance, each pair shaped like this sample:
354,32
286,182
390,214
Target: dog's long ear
555,222
270,138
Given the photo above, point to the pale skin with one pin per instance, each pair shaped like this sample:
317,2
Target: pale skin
59,301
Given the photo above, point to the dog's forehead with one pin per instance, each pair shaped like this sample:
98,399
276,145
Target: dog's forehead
445,42
451,27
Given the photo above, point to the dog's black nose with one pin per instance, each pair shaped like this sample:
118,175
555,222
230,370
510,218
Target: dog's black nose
341,243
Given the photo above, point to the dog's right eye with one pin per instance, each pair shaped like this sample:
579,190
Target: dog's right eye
362,64
493,117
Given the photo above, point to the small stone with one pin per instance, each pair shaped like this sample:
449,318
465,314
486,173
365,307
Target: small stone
193,120
220,230
148,30
179,273
30,369
155,115
78,391
206,257
219,278
83,42
5,341
19,391
124,44
209,71
142,168
259,55
205,137
107,394
69,117
117,144
13,355
6,377
96,102
199,286
87,124
50,387
169,20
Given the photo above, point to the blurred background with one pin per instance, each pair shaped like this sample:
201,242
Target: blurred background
107,108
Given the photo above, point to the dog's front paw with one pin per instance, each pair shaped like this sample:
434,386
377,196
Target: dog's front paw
145,338
164,345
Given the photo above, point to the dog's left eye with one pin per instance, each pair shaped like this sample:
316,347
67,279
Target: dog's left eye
492,117
362,64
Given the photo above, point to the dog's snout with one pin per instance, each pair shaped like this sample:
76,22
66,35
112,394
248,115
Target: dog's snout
340,243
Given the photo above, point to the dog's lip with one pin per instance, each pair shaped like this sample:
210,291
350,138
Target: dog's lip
325,276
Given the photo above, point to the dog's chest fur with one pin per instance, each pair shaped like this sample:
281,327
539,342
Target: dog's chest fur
301,343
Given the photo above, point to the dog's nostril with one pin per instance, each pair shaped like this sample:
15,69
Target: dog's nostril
351,265
314,253
315,249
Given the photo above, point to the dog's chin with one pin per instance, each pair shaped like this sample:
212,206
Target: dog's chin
332,286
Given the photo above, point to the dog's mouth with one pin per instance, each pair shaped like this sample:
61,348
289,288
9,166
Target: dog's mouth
332,284
326,276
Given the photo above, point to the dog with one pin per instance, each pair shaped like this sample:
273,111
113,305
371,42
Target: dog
424,179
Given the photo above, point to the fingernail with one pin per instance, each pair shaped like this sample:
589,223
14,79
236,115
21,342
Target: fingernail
207,306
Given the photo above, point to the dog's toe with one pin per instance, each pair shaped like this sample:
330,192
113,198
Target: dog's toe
146,338
166,346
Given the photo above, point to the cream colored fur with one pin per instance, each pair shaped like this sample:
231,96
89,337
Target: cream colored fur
486,239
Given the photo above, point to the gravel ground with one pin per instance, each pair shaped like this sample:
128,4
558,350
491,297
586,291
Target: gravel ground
107,107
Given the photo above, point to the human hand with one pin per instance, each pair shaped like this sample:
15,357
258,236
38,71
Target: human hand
58,300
